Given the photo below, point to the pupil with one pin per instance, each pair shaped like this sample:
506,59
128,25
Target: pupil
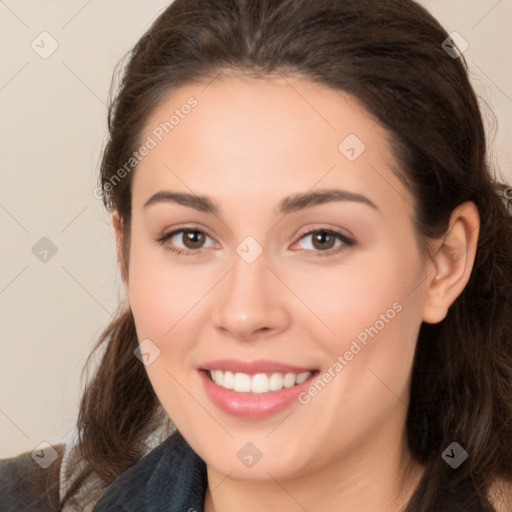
194,238
320,239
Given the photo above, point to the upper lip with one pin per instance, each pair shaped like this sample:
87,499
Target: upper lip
253,367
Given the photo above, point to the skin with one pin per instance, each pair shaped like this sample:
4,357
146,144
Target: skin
246,145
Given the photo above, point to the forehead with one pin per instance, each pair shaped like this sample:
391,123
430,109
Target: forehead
248,109
243,137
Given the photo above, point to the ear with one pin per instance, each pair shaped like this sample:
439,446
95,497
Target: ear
118,232
453,261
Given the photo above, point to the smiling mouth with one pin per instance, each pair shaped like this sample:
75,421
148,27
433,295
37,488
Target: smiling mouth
258,383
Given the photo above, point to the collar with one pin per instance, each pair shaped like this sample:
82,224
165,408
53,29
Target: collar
170,478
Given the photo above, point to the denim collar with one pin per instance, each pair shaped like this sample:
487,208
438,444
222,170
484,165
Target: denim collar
170,478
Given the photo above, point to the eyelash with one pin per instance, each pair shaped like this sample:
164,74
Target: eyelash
347,242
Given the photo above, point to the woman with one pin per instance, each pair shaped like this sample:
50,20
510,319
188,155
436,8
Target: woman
318,269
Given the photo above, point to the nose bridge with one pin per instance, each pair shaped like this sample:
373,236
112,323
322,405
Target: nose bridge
249,301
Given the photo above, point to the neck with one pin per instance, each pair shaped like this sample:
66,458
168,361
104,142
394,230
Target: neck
380,478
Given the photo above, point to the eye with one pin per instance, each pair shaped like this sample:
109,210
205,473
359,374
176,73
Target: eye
323,241
192,240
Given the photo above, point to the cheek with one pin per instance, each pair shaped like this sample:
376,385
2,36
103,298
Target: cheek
161,292
169,302
368,313
347,299
162,298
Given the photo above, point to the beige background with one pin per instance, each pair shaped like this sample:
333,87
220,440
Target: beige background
53,122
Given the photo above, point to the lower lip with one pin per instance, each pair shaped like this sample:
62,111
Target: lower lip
249,405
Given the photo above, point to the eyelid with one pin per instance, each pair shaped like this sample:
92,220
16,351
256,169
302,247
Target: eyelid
345,234
170,234
347,240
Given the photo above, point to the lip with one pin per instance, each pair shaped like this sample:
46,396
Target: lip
253,367
252,406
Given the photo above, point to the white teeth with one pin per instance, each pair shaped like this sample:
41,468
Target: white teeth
219,377
302,377
276,381
258,383
289,380
229,380
242,382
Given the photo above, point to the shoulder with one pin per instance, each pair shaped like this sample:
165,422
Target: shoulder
29,484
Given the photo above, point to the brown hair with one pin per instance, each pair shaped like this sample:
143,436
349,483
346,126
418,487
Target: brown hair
387,54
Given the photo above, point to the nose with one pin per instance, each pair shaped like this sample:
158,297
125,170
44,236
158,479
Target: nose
250,302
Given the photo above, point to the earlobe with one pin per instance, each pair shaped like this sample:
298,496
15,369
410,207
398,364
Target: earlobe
452,262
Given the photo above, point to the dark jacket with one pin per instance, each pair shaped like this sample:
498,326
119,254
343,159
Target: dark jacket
26,486
170,478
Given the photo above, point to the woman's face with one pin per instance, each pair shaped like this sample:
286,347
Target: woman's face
276,283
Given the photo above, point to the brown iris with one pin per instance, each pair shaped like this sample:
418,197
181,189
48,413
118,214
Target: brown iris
320,238
195,238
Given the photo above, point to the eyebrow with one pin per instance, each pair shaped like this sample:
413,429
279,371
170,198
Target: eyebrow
289,204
